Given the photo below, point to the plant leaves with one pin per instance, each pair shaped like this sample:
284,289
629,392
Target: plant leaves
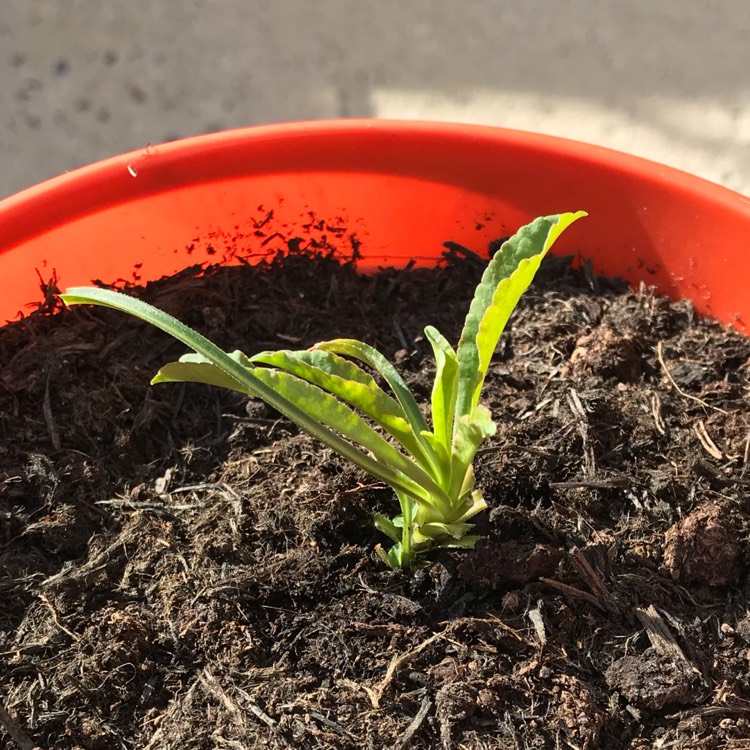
194,368
373,358
387,527
352,384
330,396
247,382
469,432
444,388
301,361
431,531
505,279
331,412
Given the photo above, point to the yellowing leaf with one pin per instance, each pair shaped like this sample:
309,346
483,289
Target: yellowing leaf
505,279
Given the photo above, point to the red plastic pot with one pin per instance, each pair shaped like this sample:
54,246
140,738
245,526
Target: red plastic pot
403,187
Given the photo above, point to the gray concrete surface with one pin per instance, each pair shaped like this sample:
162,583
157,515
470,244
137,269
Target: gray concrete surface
84,79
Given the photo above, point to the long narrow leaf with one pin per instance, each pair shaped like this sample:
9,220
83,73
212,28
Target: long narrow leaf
445,386
320,405
505,279
195,368
246,380
338,376
298,362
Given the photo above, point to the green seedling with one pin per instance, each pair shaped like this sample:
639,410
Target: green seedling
329,391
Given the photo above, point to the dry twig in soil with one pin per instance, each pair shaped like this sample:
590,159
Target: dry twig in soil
15,732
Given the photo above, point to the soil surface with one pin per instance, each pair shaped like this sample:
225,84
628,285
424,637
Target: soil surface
181,568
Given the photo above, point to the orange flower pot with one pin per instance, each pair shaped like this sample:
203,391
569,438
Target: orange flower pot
403,187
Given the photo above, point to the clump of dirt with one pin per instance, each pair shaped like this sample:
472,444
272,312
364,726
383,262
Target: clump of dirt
653,679
182,568
705,547
495,564
578,713
608,354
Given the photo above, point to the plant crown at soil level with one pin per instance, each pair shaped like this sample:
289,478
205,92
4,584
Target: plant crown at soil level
326,391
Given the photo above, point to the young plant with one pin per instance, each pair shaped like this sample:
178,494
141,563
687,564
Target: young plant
327,392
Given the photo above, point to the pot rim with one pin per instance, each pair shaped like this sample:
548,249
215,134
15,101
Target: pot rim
103,181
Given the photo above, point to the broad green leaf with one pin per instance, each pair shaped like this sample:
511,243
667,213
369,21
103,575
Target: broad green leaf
426,532
373,358
469,432
193,368
445,387
505,279
246,381
352,384
387,527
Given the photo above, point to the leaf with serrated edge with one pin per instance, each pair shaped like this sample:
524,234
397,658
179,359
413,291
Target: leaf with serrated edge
504,280
332,413
373,358
350,383
330,396
296,362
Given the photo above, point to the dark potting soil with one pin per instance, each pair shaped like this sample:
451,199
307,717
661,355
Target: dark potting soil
181,568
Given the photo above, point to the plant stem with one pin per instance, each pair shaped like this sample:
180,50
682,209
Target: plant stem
407,530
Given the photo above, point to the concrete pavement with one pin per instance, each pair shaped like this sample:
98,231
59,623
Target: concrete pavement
84,79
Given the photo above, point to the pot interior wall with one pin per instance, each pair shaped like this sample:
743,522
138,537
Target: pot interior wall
402,188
